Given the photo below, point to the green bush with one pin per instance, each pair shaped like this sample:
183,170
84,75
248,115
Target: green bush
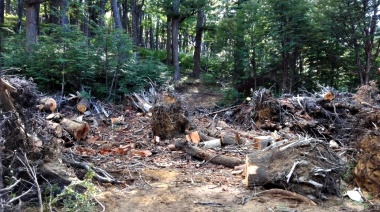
104,65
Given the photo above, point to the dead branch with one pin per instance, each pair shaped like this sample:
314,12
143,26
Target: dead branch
106,179
32,173
287,194
208,156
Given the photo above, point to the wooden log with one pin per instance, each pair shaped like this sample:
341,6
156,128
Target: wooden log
227,161
77,129
212,144
262,142
47,104
54,128
83,105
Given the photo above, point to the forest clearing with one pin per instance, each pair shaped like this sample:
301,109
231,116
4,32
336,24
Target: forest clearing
291,153
189,105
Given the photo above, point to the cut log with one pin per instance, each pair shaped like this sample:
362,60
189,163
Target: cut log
78,130
262,142
328,96
54,128
47,104
212,144
83,105
194,137
199,153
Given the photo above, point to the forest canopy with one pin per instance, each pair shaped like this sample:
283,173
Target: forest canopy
111,48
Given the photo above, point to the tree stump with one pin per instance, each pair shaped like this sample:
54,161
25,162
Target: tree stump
168,118
297,167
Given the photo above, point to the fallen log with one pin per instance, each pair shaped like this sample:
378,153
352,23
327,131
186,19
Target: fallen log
199,153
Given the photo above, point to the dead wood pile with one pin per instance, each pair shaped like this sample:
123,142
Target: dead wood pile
306,166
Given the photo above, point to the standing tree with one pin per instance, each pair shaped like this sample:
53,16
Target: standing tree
116,14
198,43
31,22
354,25
175,29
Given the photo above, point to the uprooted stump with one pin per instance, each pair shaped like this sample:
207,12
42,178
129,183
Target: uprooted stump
366,172
306,166
168,118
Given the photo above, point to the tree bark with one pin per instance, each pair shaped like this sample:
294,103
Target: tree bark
2,5
116,14
169,40
31,23
102,12
125,18
8,6
20,9
175,29
198,44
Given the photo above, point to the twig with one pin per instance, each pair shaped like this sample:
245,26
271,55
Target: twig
104,208
87,167
33,176
18,197
10,188
222,110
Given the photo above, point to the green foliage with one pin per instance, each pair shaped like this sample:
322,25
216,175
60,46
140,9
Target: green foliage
231,96
73,200
348,175
105,65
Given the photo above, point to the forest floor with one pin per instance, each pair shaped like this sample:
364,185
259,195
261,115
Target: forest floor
158,179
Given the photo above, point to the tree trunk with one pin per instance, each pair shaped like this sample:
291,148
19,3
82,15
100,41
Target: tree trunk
175,28
141,28
85,25
31,24
125,18
169,40
157,33
54,11
2,11
136,21
116,14
64,17
8,6
102,12
151,34
198,44
20,9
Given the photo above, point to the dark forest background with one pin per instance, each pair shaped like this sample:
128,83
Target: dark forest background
112,48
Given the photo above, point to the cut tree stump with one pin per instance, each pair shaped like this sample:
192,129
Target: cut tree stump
296,166
168,118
